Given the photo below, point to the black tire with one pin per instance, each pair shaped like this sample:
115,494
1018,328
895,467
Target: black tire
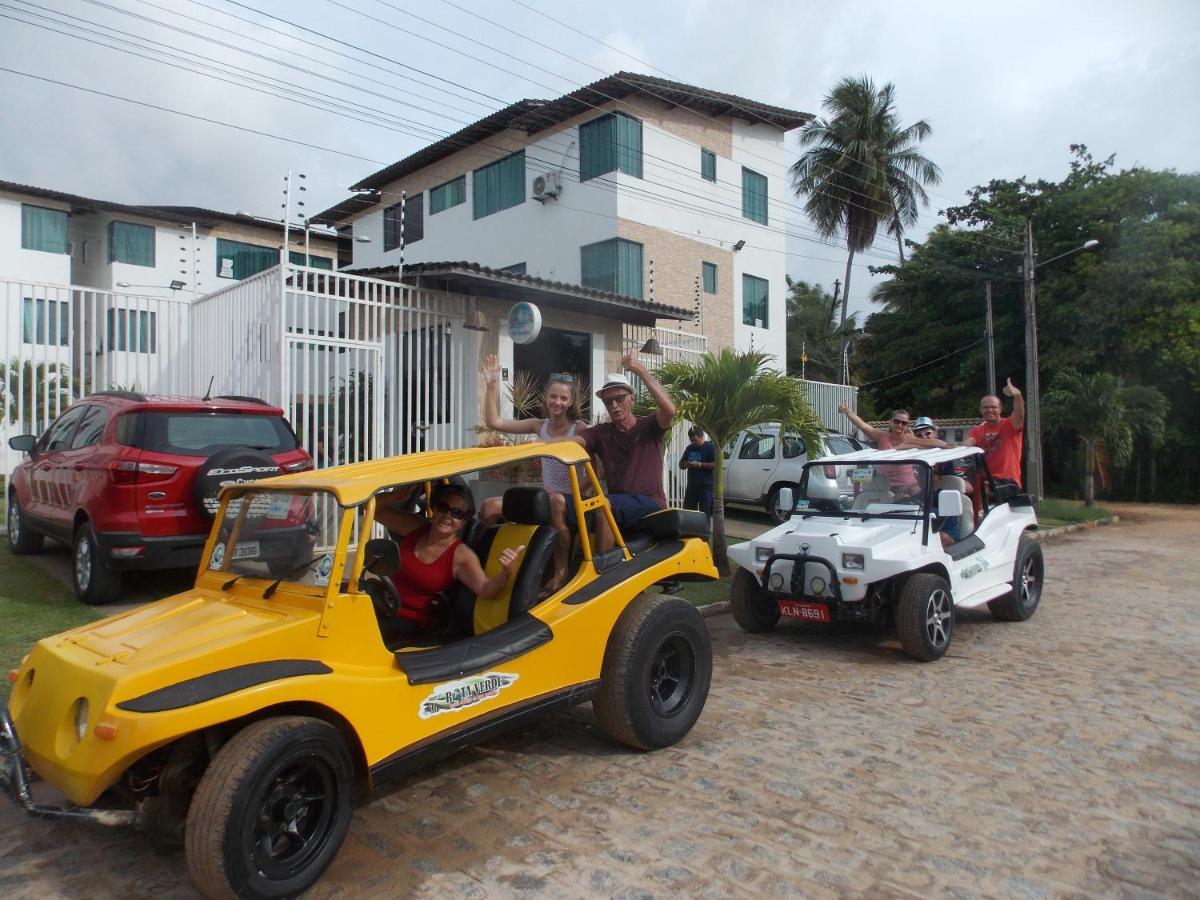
94,582
22,539
656,673
233,465
753,608
1022,601
773,501
925,616
284,772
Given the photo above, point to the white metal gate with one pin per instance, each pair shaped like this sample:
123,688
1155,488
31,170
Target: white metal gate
676,346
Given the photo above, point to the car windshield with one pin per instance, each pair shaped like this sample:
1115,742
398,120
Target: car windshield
278,535
863,490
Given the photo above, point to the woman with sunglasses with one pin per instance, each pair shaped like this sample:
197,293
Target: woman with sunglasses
433,558
901,479
561,403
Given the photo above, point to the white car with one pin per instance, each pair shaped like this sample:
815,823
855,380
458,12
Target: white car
879,555
759,464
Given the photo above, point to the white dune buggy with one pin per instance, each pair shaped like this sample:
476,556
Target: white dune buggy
922,533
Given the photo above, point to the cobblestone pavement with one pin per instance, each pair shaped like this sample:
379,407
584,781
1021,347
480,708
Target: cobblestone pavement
1054,758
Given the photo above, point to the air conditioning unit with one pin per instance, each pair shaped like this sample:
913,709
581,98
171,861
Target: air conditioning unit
546,186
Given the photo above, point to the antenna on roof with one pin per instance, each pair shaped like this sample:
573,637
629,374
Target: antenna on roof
208,393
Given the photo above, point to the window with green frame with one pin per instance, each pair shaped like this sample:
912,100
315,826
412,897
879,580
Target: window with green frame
709,271
44,229
132,330
314,262
499,185
614,265
611,143
238,260
754,196
45,322
444,196
130,243
755,295
708,165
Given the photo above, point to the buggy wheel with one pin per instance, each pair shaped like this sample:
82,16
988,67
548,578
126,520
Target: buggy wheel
21,538
925,616
271,810
94,581
656,673
753,608
1028,570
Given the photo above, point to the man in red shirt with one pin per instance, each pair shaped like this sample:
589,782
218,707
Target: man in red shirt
631,449
1001,438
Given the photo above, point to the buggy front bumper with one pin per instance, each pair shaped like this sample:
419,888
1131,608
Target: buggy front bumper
797,588
15,780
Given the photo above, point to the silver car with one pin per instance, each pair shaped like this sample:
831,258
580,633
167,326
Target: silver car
759,463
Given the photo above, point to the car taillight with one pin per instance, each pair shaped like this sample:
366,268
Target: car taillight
128,471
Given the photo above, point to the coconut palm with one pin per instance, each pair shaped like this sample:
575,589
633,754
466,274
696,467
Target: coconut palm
863,169
726,392
1106,414
812,330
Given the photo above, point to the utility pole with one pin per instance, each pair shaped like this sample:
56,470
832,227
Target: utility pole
837,285
1033,411
990,335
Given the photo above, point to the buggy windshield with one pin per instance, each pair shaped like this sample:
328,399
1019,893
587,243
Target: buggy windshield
863,490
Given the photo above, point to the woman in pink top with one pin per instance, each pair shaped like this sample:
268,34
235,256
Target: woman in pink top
902,479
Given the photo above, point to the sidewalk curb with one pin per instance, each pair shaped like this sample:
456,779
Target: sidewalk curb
1077,526
721,607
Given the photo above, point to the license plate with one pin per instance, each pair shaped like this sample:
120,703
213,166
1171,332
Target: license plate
246,550
810,612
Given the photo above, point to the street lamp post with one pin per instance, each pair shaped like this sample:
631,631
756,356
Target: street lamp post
1033,395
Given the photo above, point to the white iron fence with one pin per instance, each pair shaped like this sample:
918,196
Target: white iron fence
363,368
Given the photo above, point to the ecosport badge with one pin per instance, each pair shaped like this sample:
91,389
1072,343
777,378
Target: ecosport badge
456,695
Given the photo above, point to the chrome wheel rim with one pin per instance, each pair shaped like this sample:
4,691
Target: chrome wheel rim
938,614
14,522
1030,583
83,562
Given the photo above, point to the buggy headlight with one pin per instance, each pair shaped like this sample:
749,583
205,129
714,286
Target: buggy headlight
817,585
852,561
81,718
762,554
776,581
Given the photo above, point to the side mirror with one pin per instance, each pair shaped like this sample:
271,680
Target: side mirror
382,557
23,443
950,503
786,502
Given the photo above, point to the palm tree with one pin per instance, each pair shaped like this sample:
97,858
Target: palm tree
1106,414
862,168
726,392
812,330
33,394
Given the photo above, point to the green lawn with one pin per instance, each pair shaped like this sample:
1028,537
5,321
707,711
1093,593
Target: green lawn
32,605
1052,513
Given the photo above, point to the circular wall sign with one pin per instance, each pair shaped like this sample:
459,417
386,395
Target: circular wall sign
524,323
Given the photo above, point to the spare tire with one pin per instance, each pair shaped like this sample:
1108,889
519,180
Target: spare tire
232,465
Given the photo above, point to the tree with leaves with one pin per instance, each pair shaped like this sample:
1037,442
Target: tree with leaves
727,392
813,330
862,169
33,394
1106,415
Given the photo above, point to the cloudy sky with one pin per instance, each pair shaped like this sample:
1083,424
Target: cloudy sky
1006,86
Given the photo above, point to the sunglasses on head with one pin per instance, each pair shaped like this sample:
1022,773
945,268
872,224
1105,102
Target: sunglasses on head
564,377
441,507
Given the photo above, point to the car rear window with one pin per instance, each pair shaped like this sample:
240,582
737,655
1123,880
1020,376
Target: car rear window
203,434
839,445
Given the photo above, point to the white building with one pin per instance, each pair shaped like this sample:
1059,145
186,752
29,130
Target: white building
634,186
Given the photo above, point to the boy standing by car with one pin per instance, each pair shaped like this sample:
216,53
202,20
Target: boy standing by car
700,458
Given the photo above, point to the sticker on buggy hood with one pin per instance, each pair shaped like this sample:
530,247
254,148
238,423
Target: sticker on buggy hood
455,695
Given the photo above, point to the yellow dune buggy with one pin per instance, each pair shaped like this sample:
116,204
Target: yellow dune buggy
243,717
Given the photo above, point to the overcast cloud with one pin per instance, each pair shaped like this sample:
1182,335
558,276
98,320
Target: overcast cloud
1007,86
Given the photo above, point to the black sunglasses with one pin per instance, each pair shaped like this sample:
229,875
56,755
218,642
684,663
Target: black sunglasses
442,507
564,377
901,421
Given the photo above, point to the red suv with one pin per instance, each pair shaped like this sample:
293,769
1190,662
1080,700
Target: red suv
130,482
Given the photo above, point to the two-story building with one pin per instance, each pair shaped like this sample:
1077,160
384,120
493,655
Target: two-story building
634,186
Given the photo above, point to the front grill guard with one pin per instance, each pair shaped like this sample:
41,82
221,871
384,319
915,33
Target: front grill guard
14,780
796,588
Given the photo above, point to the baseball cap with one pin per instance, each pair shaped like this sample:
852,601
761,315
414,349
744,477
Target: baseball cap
922,423
614,380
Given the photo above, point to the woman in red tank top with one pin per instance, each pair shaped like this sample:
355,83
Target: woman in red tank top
432,557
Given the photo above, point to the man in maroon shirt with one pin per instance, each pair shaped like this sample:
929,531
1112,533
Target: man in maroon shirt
630,448
1001,438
